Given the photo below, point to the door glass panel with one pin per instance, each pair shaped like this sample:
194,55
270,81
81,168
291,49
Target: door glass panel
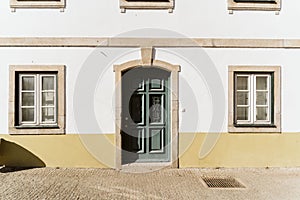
242,113
48,99
156,140
136,108
47,114
156,108
261,113
48,82
27,98
27,114
156,84
242,83
28,82
261,83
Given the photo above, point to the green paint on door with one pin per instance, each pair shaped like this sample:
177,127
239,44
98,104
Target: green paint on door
145,115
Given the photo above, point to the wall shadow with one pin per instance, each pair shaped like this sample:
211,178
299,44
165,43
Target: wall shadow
14,157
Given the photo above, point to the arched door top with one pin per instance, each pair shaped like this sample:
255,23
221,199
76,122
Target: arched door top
138,63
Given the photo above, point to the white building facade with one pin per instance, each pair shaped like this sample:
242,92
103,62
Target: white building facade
180,83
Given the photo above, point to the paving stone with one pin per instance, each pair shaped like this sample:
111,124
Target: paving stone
76,183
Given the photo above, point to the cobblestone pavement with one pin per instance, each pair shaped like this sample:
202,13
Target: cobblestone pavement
74,183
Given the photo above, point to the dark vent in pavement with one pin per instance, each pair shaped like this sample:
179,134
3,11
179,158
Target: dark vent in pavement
217,182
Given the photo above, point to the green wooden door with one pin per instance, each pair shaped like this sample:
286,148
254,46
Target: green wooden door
145,115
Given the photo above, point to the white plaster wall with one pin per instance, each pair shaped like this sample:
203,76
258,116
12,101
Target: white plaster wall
72,58
289,62
193,18
196,105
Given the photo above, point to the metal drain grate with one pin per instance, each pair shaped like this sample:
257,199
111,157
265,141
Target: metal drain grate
217,182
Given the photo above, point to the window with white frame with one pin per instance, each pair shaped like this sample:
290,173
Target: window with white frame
147,4
254,99
37,99
266,5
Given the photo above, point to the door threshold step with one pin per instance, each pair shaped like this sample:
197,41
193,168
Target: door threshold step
144,167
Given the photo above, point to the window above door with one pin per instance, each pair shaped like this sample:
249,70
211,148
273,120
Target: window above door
264,5
147,4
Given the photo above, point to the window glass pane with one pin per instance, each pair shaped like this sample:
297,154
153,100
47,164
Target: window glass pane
28,83
261,113
48,82
261,98
27,114
242,113
242,83
48,114
261,83
48,99
242,98
27,98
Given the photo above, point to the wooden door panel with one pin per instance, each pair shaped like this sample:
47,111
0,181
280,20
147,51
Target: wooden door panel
145,115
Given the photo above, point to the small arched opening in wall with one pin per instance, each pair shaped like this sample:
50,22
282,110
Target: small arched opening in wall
146,115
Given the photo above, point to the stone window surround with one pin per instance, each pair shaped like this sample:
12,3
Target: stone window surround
60,129
277,99
146,5
253,6
37,4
